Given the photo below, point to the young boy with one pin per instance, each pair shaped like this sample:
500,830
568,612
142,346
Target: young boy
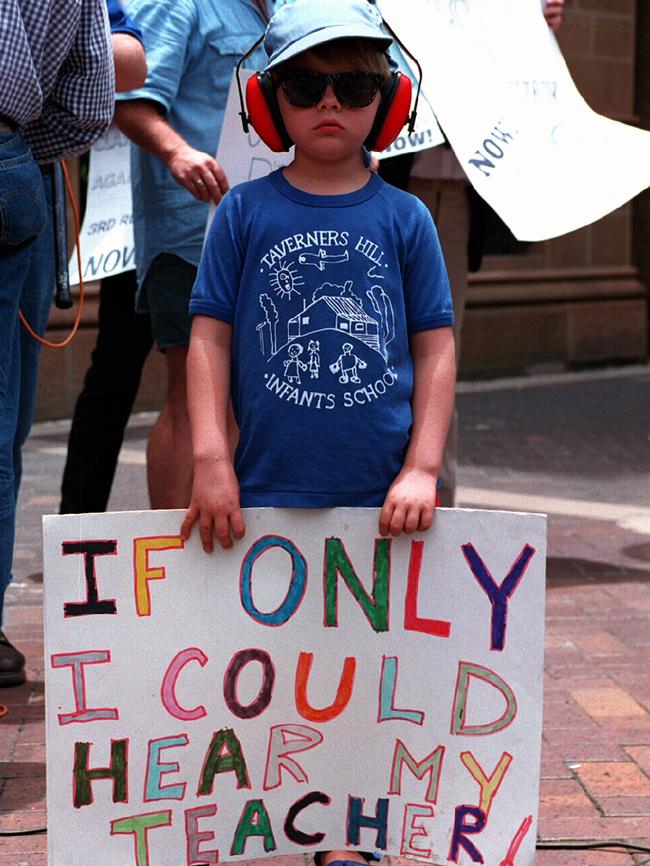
322,309
323,248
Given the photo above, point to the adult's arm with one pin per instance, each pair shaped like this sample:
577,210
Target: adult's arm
167,27
79,108
128,50
130,62
142,121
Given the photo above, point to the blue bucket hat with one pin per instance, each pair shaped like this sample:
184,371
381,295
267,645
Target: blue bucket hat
304,24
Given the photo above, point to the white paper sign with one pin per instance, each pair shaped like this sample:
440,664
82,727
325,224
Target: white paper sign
316,687
106,237
502,93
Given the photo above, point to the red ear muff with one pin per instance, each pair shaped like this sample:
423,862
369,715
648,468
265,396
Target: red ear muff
393,112
264,113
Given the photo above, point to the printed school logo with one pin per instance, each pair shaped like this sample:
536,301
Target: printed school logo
326,322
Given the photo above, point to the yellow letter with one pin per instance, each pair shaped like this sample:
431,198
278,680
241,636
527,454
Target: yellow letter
143,574
489,785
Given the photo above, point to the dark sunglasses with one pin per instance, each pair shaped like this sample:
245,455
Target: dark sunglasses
304,88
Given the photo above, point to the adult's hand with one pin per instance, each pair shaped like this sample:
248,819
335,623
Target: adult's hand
142,121
553,13
198,172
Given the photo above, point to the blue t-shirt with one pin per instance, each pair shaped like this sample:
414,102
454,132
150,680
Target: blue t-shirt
322,292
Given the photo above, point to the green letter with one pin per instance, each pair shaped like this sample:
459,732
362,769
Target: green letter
217,762
139,825
336,561
253,822
83,776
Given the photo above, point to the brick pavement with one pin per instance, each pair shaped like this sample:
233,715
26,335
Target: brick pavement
577,446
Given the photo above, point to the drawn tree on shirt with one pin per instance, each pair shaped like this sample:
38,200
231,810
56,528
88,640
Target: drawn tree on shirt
389,319
270,319
386,316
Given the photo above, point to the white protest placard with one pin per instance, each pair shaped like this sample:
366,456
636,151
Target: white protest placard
527,140
316,687
106,236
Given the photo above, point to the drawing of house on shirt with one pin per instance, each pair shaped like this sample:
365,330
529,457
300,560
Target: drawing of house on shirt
342,314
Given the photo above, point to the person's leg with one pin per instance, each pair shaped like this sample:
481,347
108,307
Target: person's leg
167,288
23,217
169,451
448,204
12,662
35,304
106,400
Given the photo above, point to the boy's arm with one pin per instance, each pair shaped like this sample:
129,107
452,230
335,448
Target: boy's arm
215,490
411,498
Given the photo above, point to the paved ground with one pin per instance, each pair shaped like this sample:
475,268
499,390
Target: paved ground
574,446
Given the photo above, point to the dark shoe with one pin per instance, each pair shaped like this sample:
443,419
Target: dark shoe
12,664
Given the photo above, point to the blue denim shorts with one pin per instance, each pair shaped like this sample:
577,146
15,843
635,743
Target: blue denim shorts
167,288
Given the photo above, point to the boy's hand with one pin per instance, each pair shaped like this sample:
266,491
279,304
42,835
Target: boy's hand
215,502
410,502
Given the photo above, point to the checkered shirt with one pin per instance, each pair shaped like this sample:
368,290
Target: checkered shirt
56,73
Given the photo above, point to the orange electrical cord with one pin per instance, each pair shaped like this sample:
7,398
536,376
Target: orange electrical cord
75,326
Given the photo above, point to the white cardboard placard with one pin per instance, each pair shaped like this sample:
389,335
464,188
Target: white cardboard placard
106,236
315,679
527,140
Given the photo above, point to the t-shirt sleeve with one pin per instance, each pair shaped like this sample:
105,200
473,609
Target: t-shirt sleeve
166,28
427,292
121,22
217,282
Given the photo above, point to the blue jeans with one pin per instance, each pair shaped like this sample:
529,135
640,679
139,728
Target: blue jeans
26,283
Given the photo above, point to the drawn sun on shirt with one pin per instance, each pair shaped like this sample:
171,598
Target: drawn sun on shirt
285,280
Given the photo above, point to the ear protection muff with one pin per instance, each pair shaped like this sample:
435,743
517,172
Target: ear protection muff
393,112
264,112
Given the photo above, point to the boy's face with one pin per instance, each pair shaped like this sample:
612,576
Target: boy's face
329,130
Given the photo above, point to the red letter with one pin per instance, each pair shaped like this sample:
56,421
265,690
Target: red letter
412,622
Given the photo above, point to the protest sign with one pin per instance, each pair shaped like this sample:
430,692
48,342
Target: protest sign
106,237
315,687
525,137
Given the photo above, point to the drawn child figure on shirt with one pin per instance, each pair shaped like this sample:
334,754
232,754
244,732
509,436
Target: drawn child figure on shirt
347,365
293,365
314,358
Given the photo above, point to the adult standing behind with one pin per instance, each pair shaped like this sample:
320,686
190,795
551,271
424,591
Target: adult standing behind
123,338
56,99
175,121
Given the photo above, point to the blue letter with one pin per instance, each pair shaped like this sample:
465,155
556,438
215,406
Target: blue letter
296,587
